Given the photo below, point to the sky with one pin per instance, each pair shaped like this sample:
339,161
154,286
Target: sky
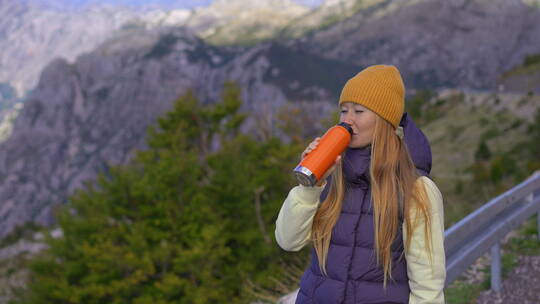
168,4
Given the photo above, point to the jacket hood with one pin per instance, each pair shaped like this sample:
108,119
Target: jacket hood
418,145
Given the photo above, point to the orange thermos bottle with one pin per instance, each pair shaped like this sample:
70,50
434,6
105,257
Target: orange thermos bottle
317,162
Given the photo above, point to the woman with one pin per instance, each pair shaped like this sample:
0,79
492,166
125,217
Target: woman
376,223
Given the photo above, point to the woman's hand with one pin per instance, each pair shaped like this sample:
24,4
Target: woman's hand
312,146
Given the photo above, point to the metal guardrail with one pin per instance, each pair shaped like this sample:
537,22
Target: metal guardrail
483,229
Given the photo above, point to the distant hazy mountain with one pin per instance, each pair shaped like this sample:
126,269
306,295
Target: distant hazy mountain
31,36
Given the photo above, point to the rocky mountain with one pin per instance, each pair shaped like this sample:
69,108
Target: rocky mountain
457,43
31,35
86,115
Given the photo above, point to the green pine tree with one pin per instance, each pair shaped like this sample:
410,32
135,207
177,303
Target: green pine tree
183,223
482,152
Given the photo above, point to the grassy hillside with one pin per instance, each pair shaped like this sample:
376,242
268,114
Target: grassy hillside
457,124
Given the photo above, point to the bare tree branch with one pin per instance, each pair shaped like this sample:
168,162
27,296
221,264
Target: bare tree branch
260,220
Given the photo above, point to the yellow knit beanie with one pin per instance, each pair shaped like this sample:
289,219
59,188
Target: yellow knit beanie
378,88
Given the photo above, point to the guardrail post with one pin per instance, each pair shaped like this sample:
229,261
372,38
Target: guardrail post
538,224
496,267
529,199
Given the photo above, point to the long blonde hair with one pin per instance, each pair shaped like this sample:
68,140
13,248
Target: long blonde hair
393,176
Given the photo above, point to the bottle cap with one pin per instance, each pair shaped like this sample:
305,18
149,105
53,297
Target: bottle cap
346,126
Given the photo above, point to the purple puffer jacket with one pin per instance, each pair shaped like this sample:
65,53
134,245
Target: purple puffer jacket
353,275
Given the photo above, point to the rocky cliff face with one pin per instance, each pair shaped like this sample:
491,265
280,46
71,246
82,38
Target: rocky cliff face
85,116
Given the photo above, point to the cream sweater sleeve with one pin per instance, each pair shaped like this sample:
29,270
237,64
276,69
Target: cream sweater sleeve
426,280
293,225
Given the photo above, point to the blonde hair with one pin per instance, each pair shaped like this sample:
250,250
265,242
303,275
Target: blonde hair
393,176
